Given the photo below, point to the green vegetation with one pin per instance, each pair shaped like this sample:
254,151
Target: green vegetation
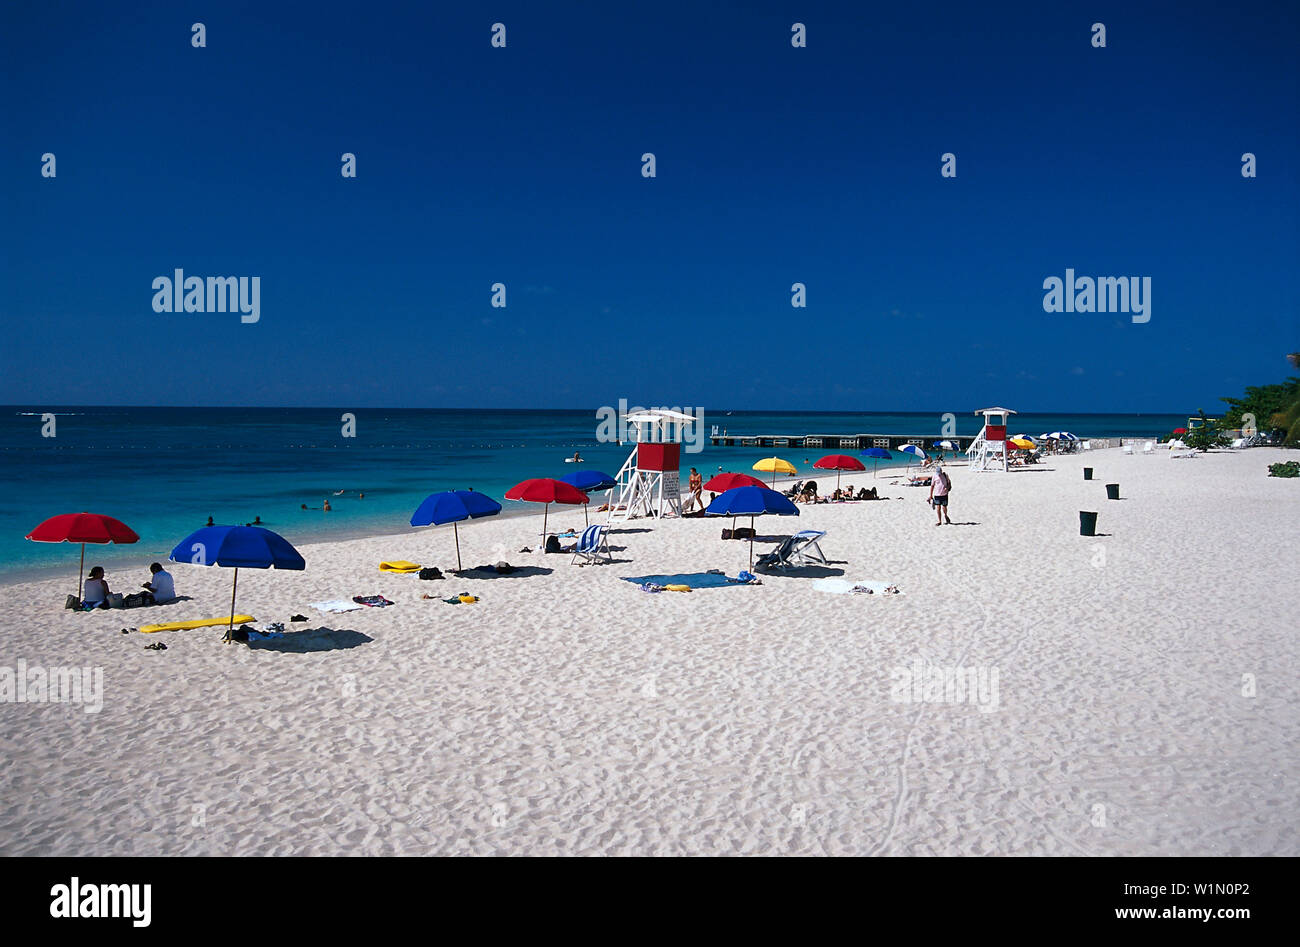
1209,434
1274,407
1290,469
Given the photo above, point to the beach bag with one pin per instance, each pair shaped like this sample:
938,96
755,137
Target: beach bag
136,599
553,544
726,534
430,573
71,602
115,600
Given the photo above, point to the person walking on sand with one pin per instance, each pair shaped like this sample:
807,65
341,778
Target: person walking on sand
940,487
695,484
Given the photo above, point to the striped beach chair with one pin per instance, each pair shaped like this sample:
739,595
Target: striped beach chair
593,546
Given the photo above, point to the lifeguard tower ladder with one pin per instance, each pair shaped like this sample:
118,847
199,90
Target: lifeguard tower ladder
649,482
989,450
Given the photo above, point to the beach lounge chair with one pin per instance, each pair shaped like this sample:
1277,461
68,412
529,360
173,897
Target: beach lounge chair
593,546
801,549
1128,449
1149,448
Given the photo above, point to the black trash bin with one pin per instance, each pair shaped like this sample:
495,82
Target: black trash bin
1112,491
1087,473
1087,523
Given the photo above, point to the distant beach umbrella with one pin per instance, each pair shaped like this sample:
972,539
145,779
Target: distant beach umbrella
83,528
914,451
876,453
589,481
837,463
1177,430
548,491
751,502
246,547
454,506
774,465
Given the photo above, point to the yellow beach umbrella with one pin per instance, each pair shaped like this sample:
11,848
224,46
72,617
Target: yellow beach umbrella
1021,444
774,465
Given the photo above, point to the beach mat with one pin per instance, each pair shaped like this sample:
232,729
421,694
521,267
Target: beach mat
844,586
694,580
197,623
400,566
336,606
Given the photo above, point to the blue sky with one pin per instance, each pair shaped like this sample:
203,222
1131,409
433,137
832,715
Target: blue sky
774,165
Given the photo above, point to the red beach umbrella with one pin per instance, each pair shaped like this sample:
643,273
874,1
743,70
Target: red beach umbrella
83,528
723,482
548,491
838,462
1180,430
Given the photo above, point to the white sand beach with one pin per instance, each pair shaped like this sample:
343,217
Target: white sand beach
569,712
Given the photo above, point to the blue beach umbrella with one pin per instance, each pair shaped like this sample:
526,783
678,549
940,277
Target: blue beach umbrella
877,453
589,481
751,502
914,451
454,506
248,547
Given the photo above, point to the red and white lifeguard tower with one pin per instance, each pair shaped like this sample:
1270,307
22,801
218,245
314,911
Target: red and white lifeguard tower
989,450
649,482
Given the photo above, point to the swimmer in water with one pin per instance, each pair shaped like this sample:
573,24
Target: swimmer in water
327,506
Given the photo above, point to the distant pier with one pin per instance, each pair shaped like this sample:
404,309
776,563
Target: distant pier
835,441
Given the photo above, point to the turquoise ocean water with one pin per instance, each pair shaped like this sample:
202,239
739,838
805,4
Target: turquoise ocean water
164,471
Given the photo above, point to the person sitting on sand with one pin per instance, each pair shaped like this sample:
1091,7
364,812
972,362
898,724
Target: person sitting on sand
161,586
95,592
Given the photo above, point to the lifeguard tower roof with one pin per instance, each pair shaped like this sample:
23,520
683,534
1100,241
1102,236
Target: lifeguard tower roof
659,414
993,411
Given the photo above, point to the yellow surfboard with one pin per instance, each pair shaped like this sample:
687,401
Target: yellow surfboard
197,623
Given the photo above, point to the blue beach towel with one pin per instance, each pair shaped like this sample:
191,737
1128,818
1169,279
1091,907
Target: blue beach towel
696,580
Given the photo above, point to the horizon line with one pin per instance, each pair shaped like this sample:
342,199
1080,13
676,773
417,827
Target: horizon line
343,407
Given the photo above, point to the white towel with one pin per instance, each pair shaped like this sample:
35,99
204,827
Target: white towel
336,606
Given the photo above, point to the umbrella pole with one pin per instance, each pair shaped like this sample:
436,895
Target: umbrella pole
545,512
585,520
234,585
456,531
81,571
751,544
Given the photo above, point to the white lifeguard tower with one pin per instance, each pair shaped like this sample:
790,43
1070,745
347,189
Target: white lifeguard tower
649,482
989,450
